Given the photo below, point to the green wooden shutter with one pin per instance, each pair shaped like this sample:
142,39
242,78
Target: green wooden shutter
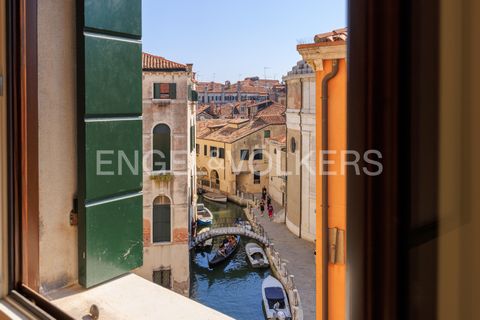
190,92
173,91
192,138
161,223
161,148
156,91
109,142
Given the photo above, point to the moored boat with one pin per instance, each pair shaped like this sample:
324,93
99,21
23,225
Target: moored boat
275,301
256,256
226,251
204,215
216,197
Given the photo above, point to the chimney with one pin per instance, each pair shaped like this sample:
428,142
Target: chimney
189,67
223,94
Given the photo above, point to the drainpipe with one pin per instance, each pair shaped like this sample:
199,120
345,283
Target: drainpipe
325,81
301,151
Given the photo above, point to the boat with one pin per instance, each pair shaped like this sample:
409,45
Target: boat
204,216
275,301
256,256
216,197
207,244
225,251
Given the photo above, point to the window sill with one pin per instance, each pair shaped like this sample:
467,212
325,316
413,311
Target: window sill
162,102
131,297
160,244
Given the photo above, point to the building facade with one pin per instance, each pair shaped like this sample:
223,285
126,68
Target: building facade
277,182
301,191
249,89
327,57
232,154
169,171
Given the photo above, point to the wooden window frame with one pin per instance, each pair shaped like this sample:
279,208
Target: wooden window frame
392,106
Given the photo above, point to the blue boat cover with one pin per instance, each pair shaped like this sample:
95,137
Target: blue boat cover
274,293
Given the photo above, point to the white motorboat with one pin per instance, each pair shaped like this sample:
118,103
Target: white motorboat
204,216
256,256
275,301
216,197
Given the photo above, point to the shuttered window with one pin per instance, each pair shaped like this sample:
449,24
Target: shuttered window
164,91
221,153
163,278
161,220
192,138
205,150
110,203
161,148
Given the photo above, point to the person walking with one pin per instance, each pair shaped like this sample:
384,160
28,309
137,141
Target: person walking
262,207
269,200
270,211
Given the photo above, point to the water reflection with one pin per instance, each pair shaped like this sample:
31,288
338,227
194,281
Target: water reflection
233,287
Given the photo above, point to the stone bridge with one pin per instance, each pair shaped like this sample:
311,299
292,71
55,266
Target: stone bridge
255,233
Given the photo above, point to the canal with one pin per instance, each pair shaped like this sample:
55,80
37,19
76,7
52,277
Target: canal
234,287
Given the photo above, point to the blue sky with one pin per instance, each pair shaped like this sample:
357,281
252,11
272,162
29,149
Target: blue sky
230,40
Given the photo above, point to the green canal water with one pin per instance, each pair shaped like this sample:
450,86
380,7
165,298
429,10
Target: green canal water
233,288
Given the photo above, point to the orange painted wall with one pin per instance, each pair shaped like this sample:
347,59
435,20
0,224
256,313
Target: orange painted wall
337,188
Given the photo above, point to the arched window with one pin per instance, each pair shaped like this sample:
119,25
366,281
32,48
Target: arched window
293,145
161,148
162,227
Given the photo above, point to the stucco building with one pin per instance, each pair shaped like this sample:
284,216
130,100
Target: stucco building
169,104
232,154
328,58
301,191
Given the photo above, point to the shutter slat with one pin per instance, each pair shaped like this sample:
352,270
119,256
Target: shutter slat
173,91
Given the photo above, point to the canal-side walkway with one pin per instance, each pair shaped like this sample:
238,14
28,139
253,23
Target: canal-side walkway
298,253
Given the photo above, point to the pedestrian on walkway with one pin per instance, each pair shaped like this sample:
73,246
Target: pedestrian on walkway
262,207
269,200
270,211
264,193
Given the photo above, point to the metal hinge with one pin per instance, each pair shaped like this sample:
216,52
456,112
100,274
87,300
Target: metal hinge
336,246
74,213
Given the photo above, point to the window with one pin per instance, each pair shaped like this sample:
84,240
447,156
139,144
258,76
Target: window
221,153
266,134
161,220
244,154
256,177
161,148
257,154
164,91
197,148
163,278
205,150
293,145
192,94
213,152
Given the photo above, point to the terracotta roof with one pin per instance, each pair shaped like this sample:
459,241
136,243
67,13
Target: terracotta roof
275,109
335,35
280,139
151,62
229,131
